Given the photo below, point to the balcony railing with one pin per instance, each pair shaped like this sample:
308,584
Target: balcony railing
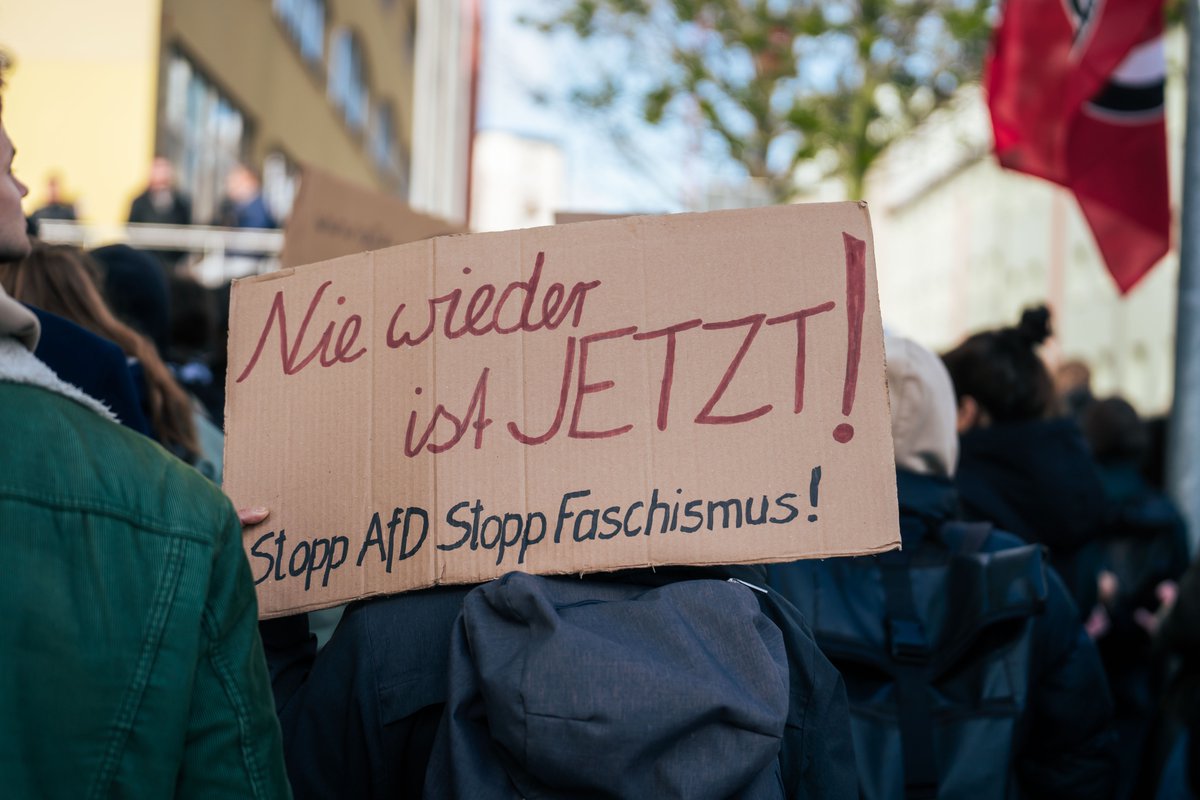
217,254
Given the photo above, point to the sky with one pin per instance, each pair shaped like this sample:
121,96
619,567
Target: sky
520,62
676,167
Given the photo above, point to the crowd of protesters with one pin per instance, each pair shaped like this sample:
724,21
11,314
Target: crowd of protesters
1037,635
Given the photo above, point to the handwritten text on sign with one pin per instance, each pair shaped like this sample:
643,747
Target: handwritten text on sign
566,351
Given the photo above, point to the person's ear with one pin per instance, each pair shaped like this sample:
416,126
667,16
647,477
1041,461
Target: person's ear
968,413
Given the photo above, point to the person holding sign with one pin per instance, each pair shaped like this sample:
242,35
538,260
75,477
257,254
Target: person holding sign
968,670
132,666
501,410
679,682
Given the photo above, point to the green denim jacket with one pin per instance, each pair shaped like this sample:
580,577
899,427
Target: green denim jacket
130,661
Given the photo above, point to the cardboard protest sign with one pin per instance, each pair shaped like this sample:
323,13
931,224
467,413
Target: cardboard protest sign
333,217
691,389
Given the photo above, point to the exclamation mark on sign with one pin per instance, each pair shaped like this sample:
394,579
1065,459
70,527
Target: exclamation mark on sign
814,486
856,297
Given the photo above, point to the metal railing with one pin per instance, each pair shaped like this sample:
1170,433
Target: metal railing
216,254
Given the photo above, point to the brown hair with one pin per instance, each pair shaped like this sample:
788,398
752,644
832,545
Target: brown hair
1001,369
65,281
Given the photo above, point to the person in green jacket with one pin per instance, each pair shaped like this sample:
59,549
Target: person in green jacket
130,661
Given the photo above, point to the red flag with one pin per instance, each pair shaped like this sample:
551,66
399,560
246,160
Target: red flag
1075,90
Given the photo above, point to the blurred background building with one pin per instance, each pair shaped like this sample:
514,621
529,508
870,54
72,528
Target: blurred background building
380,92
518,182
385,93
445,99
962,245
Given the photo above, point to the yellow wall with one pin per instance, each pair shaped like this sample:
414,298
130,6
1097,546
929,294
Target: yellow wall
80,100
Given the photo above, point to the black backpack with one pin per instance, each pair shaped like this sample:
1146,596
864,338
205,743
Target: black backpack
935,645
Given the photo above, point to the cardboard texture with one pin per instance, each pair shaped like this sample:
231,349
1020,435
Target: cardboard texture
690,389
571,217
333,217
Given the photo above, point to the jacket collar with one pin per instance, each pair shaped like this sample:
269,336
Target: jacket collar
926,501
19,365
18,322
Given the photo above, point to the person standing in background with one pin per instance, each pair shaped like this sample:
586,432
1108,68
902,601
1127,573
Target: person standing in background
243,205
55,207
162,204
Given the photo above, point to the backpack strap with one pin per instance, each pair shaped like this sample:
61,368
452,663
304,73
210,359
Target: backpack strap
970,535
910,654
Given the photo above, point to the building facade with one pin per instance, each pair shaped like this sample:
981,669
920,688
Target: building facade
518,181
445,99
962,245
101,88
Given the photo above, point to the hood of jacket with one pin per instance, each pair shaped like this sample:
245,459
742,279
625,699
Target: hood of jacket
19,334
923,408
18,322
562,688
926,501
1036,479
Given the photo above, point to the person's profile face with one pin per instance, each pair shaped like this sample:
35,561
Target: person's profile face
14,243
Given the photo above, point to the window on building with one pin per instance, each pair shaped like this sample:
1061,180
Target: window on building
280,180
203,134
387,151
410,32
383,137
347,78
305,21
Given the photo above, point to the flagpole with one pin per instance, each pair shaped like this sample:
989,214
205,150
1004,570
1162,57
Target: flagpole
1183,451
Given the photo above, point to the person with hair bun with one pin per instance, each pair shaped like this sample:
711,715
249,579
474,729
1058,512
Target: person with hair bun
1024,467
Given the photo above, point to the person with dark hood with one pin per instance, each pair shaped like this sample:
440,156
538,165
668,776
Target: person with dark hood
1174,752
1023,467
136,291
1145,552
968,671
196,348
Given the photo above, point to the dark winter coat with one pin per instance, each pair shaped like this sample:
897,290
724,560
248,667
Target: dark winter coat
95,365
1145,544
251,214
1180,636
361,718
1037,480
177,212
1044,676
131,663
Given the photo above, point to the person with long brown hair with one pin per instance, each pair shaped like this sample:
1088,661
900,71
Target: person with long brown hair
64,280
